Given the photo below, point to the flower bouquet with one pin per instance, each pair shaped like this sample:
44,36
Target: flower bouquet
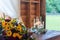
12,30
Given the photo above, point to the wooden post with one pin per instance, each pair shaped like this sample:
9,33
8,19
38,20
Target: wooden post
42,11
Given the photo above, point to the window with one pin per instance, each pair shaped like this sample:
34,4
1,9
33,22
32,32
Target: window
53,14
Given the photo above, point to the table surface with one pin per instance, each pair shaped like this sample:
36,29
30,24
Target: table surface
49,34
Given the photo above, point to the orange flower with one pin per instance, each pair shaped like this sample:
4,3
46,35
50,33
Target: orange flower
18,35
14,35
8,33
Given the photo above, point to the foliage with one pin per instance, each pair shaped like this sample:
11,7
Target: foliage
52,4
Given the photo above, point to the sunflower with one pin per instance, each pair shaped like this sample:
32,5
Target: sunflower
7,27
14,35
18,35
19,28
11,24
4,24
8,33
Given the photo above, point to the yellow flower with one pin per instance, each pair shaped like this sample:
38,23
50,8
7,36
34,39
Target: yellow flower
4,24
11,25
17,35
19,28
7,27
8,33
14,35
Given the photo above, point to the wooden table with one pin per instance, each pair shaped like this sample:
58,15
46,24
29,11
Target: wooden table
55,38
49,35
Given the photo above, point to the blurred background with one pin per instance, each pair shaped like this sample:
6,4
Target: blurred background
53,14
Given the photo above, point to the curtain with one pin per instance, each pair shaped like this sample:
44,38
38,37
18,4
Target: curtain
10,7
